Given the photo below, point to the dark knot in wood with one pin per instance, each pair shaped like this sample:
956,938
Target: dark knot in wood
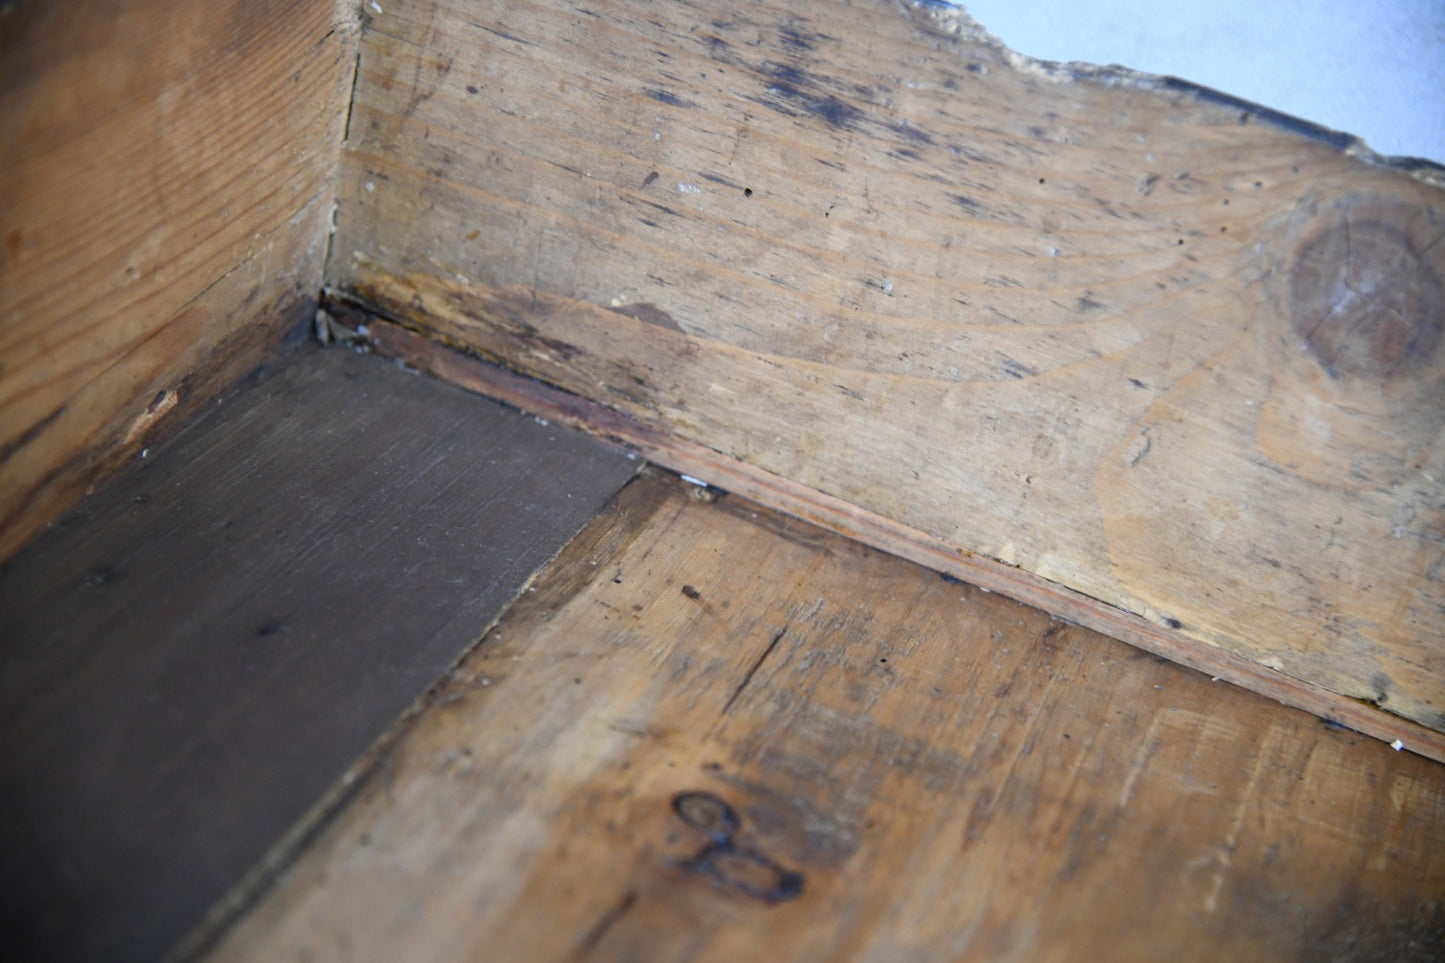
1365,292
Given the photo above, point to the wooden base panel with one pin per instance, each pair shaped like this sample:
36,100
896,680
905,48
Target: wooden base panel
711,732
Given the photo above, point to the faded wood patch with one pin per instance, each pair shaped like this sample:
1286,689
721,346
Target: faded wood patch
714,733
1144,343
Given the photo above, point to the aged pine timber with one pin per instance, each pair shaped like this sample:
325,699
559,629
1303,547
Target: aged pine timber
166,185
193,658
1163,350
715,733
704,464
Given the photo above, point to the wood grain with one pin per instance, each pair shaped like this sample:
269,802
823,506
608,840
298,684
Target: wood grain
164,211
191,660
781,494
1166,350
715,733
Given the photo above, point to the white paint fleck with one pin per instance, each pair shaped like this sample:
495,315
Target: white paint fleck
694,481
887,286
370,187
1397,745
688,188
375,6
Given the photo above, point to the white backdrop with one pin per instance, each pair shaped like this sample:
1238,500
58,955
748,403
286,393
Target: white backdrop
1372,68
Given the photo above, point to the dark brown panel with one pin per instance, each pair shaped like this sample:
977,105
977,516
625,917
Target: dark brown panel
193,656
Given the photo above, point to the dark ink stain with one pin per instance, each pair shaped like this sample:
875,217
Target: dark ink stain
950,579
1382,685
719,179
651,314
1146,186
1018,369
732,865
472,89
670,99
1138,384
691,592
968,204
799,41
1088,304
856,396
663,208
794,93
912,133
747,192
708,814
1173,623
652,176
1332,724
271,628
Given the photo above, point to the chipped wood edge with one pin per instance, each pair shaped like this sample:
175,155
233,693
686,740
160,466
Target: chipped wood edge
392,340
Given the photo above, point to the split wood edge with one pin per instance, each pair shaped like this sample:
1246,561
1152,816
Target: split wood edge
392,340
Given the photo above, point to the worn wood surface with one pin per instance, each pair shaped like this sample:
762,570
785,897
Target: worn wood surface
711,732
191,658
728,474
1167,351
168,170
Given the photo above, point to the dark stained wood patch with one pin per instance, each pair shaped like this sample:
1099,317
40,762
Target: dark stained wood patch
193,656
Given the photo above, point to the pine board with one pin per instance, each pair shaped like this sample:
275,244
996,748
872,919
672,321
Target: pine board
197,653
1166,351
168,171
710,732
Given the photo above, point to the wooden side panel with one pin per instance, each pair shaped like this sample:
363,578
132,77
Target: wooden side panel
168,171
1161,349
713,733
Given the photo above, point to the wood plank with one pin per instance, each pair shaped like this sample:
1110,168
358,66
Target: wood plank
781,494
193,656
1167,351
715,733
169,171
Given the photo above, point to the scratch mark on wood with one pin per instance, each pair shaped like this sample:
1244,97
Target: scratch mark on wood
604,923
754,670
